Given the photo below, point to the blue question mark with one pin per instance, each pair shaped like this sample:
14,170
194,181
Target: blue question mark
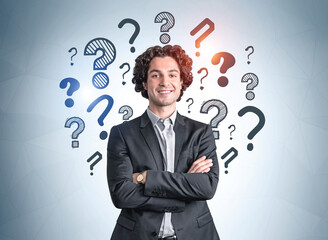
74,85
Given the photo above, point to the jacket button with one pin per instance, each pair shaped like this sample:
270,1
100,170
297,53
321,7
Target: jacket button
154,234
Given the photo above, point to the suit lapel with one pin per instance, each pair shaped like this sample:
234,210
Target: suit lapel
179,137
148,132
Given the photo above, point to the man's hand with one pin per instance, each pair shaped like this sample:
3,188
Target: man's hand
201,165
135,175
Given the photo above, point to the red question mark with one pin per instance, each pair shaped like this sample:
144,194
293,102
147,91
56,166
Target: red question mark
210,24
228,61
199,71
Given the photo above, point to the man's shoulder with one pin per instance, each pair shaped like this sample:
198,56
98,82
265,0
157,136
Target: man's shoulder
192,122
129,124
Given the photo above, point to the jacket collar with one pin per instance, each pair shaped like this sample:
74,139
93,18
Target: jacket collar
179,137
149,135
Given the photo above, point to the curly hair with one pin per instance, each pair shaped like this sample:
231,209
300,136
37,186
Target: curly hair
143,61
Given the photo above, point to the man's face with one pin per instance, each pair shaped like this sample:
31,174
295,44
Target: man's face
163,82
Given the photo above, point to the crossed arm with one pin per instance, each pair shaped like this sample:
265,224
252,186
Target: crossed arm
162,191
201,165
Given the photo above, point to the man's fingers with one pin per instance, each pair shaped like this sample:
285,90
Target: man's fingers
198,164
201,159
194,164
206,170
201,165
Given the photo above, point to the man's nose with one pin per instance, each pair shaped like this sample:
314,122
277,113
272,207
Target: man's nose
165,80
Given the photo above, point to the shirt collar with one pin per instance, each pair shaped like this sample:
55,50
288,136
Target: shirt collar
154,118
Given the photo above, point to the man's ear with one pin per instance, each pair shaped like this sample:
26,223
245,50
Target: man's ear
144,84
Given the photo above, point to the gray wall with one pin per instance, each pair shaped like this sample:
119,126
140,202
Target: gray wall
276,191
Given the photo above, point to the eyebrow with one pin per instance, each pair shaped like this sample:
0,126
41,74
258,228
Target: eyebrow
171,70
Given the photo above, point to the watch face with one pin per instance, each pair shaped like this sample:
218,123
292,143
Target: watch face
139,178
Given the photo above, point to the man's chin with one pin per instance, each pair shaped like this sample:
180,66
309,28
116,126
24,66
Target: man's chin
166,103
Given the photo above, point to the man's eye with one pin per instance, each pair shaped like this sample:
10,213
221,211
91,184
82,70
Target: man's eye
173,76
154,76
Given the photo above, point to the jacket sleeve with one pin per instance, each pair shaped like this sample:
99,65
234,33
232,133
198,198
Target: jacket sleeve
125,193
187,186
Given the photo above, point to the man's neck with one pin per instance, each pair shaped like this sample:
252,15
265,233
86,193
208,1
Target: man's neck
163,112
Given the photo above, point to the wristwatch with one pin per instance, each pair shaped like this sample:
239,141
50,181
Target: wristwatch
140,178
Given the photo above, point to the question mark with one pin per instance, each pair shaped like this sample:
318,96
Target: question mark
103,135
99,157
254,82
127,110
250,53
168,17
122,66
228,61
222,113
258,127
192,101
73,48
100,80
74,85
199,71
234,155
211,28
136,31
78,131
234,128
107,48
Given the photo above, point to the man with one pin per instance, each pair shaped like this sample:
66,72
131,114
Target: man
162,167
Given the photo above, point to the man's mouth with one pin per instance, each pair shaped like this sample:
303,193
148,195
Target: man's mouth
165,91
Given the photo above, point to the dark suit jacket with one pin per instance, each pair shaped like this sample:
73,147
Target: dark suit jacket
133,147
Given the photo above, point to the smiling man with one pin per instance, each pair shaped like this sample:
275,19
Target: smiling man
162,166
